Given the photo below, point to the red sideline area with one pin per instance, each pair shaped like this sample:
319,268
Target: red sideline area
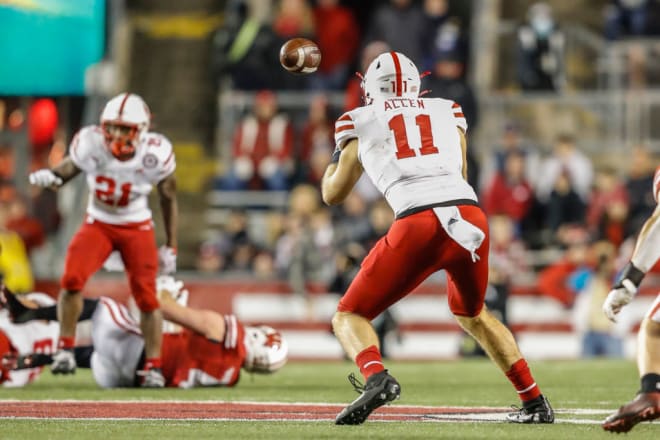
218,411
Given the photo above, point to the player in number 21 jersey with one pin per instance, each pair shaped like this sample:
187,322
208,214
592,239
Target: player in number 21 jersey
122,162
414,151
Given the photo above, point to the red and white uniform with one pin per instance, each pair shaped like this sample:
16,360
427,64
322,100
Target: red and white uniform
189,359
410,148
24,339
119,190
647,252
118,214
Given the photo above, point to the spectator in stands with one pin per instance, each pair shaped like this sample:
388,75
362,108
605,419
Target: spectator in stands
512,141
564,206
555,280
262,148
246,50
447,63
15,271
510,193
353,224
568,161
630,18
402,25
293,18
540,51
608,207
639,186
447,41
353,97
317,142
338,38
598,333
436,13
305,251
25,225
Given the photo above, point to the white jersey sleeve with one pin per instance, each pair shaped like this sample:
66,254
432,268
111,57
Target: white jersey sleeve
461,122
159,160
344,130
87,149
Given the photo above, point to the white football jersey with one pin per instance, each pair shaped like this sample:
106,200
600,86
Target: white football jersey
119,190
30,337
411,150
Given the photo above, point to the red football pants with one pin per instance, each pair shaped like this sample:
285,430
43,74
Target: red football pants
414,248
93,243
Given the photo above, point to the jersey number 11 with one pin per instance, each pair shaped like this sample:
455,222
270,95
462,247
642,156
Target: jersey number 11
403,150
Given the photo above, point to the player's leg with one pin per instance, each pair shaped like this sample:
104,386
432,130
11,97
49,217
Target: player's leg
396,265
137,247
118,345
87,251
646,406
466,289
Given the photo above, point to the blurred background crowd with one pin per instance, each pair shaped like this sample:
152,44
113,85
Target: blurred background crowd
560,99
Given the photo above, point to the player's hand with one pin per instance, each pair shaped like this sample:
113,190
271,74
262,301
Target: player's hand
45,178
167,259
616,299
167,283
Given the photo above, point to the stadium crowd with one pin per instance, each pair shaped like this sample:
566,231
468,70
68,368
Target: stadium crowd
544,201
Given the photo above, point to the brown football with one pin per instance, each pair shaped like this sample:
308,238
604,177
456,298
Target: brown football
300,55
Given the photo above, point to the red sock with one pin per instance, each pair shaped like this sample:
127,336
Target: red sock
369,361
66,342
150,363
522,380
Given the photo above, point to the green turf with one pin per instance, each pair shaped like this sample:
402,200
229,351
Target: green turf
569,384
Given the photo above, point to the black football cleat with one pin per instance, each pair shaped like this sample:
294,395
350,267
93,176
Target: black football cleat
380,389
536,411
645,407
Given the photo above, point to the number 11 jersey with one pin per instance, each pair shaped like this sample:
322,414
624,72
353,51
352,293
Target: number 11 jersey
411,150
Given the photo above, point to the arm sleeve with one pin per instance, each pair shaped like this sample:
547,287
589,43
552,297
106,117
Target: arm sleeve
84,147
344,130
459,117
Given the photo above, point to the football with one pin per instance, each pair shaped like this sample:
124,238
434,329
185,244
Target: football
300,55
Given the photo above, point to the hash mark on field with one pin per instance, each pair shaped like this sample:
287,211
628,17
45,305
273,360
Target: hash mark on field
255,411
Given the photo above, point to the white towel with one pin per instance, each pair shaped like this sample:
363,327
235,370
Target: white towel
460,230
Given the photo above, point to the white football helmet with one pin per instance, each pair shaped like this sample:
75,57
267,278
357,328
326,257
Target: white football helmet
391,75
266,350
123,120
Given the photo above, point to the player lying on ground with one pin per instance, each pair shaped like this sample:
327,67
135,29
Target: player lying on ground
646,406
414,151
210,349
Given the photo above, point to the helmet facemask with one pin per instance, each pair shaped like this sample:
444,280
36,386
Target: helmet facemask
124,119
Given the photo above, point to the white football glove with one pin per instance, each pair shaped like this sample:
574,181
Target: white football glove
616,299
623,291
170,285
45,178
167,259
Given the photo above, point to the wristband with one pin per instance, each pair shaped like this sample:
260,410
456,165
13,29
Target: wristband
632,274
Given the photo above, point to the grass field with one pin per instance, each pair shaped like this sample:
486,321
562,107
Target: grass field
582,393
